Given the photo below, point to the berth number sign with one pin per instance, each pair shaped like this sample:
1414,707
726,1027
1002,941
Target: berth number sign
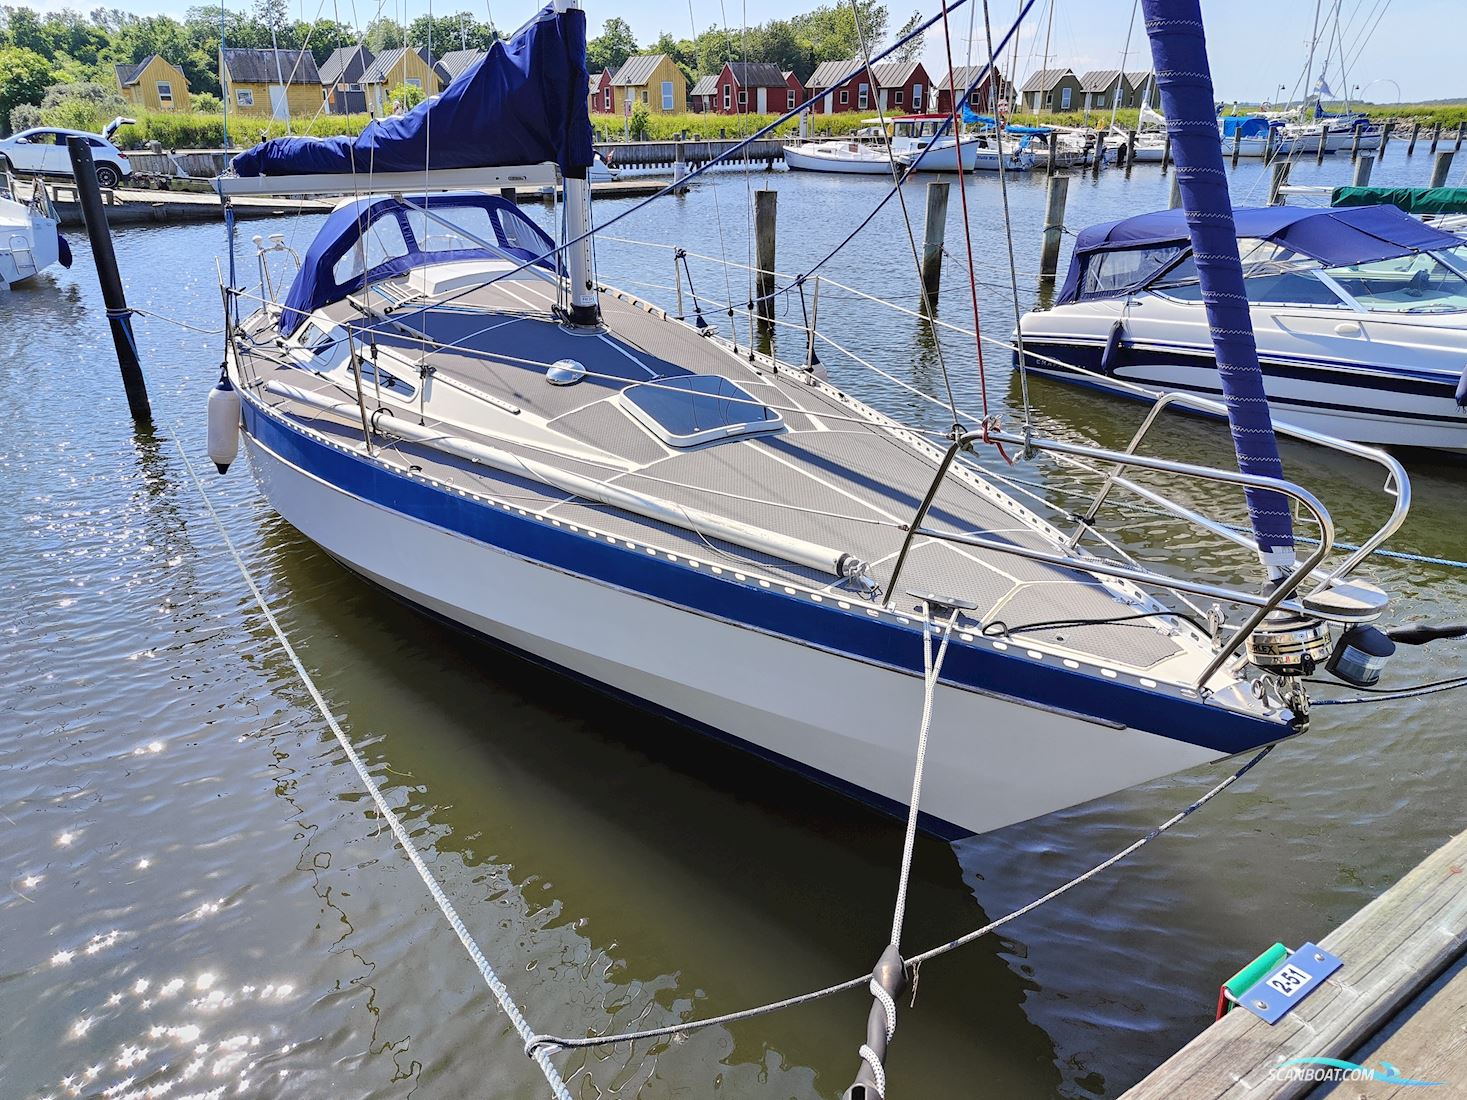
1290,982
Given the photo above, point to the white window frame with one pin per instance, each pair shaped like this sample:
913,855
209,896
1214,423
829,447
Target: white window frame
606,100
1065,95
645,94
791,106
727,98
244,97
744,99
1099,99
863,97
917,91
845,97
897,96
165,90
413,82
975,99
667,95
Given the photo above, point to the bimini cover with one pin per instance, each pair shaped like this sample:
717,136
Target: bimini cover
1413,200
524,102
1334,237
1248,125
396,236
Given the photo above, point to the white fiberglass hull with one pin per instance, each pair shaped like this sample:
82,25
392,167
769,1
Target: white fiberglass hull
857,160
28,242
944,158
993,761
1382,380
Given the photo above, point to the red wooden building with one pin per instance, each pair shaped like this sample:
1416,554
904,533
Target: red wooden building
750,87
979,99
897,87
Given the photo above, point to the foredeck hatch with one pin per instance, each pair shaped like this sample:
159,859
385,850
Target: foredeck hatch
686,410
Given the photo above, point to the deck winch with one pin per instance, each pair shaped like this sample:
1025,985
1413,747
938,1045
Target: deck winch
1289,644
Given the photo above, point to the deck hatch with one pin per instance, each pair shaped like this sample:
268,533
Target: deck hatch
686,410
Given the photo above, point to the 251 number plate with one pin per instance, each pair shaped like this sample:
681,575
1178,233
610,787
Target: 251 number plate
1290,982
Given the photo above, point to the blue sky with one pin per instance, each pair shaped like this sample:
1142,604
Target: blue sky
1256,45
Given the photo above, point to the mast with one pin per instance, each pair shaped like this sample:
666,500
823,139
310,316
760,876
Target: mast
585,305
1179,58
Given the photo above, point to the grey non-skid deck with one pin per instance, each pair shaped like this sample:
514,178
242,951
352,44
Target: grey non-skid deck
830,476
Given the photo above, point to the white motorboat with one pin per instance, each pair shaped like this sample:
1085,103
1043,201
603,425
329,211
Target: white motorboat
851,157
30,241
979,154
453,406
1360,318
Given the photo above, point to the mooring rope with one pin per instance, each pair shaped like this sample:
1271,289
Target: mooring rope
554,1042
506,1001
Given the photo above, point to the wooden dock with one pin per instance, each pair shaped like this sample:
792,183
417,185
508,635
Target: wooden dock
133,206
1401,997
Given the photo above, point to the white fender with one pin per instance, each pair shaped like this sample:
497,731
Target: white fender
223,424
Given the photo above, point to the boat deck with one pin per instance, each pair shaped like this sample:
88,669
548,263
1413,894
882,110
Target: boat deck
834,473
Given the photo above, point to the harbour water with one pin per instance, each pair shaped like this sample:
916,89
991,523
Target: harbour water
200,899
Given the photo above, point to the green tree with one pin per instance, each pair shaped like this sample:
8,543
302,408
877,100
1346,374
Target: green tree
912,51
615,44
444,33
24,75
206,103
409,95
385,34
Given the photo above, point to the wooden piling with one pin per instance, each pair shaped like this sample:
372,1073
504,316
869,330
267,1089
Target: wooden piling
1385,136
1392,950
932,244
680,171
1099,154
1362,170
1461,128
1411,141
119,318
1237,145
1436,134
1276,182
1441,168
509,194
1054,225
765,208
1174,199
1355,144
1166,151
1052,144
1130,148
1323,141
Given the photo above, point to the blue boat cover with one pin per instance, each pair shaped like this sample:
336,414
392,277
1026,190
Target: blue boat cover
317,283
1335,236
1179,59
973,118
524,102
1248,125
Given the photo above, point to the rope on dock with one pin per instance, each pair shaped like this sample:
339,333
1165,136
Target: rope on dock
552,1042
496,986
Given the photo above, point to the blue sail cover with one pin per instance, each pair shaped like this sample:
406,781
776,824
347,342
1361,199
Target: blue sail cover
1179,58
1336,237
1248,125
523,103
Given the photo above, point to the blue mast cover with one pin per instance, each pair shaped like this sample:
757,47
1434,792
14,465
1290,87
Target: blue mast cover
1179,56
524,102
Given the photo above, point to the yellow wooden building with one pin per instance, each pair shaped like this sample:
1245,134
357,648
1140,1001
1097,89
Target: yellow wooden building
651,79
277,84
153,84
411,65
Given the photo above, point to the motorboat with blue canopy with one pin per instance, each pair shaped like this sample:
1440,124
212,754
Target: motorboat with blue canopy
454,405
1358,315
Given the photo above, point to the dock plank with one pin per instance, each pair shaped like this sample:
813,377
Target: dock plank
1392,949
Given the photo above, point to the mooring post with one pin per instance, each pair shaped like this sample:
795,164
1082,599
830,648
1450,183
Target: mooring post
509,194
1099,153
1411,142
1130,149
1174,200
1322,140
1355,143
765,206
1237,145
1436,134
1362,170
1442,166
1276,183
119,318
1166,152
1054,225
1461,127
1051,141
932,244
1385,136
680,171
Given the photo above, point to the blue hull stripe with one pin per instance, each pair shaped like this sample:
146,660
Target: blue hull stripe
1046,684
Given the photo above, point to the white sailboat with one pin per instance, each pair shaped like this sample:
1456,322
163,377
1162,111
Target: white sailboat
455,407
30,241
